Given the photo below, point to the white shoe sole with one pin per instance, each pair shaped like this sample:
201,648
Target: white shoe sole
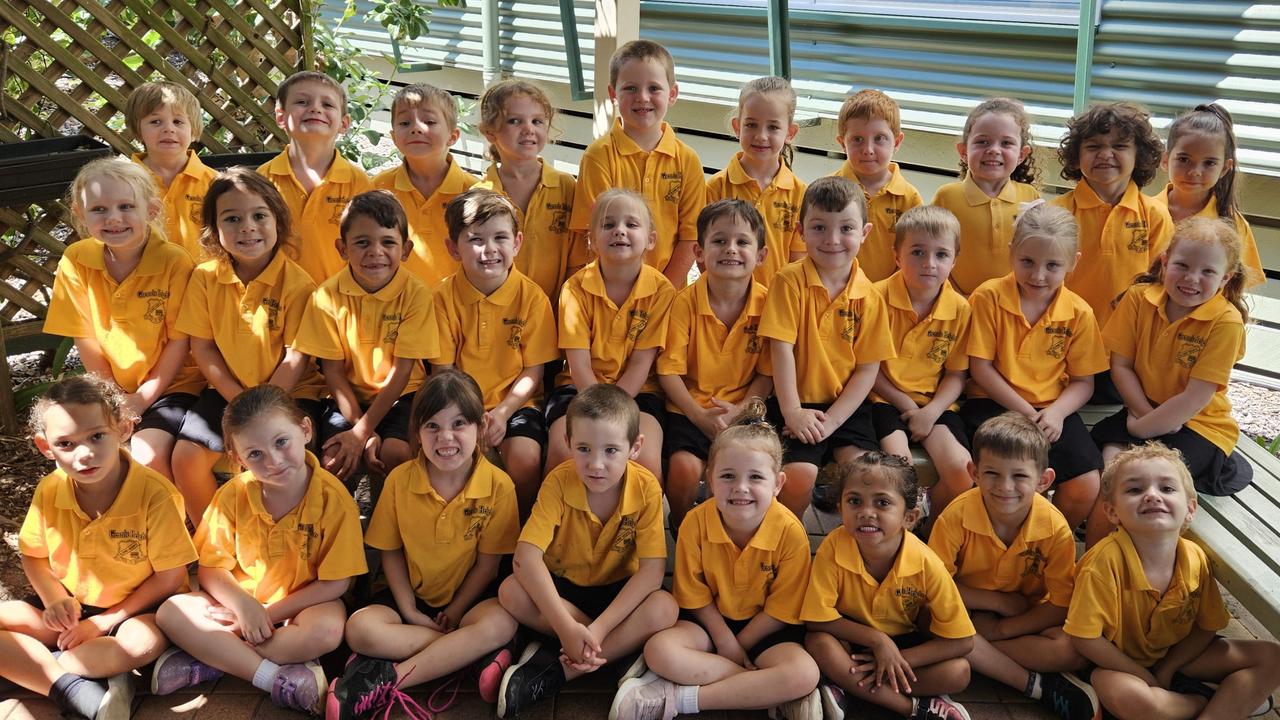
1088,690
636,669
964,712
529,650
830,706
644,679
155,672
322,686
117,704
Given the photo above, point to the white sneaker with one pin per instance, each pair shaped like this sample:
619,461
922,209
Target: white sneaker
832,701
117,704
808,707
648,697
636,669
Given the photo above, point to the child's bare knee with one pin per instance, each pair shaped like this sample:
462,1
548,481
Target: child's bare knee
953,674
659,610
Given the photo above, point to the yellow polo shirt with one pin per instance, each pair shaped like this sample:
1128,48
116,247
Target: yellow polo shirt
1037,361
1114,599
494,338
430,260
183,203
317,215
369,331
1204,345
1117,243
883,210
986,228
840,586
590,321
550,247
714,361
670,179
1248,243
1040,564
317,540
442,539
102,560
831,337
778,204
770,574
253,324
132,320
927,347
582,549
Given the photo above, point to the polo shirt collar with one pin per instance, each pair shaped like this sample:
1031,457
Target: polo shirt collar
784,179
470,295
128,500
858,285
767,536
1059,309
702,298
453,183
976,196
897,184
152,261
269,275
593,282
626,146
1087,198
1208,310
309,509
1038,524
632,500
340,170
479,485
347,285
1183,572
910,560
192,167
547,179
945,307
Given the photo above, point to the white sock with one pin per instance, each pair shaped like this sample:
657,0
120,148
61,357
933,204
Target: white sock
265,676
686,699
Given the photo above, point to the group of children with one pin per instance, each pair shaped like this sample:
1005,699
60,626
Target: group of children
517,361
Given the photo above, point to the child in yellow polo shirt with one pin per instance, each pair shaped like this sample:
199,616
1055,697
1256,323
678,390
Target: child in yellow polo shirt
1112,152
871,578
242,311
613,322
424,125
1034,347
442,523
1174,337
761,173
166,118
102,545
997,175
515,117
914,393
117,291
312,176
590,561
1146,607
642,153
869,130
279,546
714,360
1013,558
496,325
742,566
828,331
371,326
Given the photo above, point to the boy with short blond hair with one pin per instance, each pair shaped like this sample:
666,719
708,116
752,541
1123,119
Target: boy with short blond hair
915,393
496,325
166,118
1146,608
1013,558
869,128
824,319
591,558
314,179
641,153
370,325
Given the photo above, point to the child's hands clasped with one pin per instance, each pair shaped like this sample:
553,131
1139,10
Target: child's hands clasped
579,648
62,615
1050,423
80,633
883,665
341,453
920,422
249,617
730,649
805,424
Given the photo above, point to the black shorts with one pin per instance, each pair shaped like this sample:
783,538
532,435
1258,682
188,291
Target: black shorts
1073,455
680,434
1214,472
202,424
559,399
385,597
166,413
394,425
1104,390
857,432
788,634
86,611
886,420
590,599
528,422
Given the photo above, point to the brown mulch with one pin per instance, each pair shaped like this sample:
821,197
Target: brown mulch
21,467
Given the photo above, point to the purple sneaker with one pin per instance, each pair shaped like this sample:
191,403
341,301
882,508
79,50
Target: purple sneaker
300,686
175,670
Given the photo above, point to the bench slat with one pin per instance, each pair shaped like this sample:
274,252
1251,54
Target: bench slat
1242,573
1266,468
1250,532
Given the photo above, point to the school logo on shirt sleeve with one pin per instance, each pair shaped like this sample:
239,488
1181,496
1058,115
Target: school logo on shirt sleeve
129,546
625,542
515,332
1189,349
1059,335
675,186
1138,241
639,321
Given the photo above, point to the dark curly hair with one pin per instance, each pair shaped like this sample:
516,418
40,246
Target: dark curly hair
1134,123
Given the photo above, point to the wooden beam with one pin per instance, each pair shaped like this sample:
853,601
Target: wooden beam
617,22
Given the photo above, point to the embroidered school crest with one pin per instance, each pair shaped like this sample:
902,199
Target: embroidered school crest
308,533
639,321
912,600
1139,242
559,223
786,215
155,310
128,546
339,204
939,349
515,331
850,320
770,571
675,186
1187,613
1035,562
392,322
272,307
753,339
625,542
1189,349
476,518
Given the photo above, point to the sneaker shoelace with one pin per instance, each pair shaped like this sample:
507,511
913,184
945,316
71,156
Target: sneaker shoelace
453,684
386,697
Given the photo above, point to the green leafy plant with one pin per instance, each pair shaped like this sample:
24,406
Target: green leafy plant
1272,446
24,396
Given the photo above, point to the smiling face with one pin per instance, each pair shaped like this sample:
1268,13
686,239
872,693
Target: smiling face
874,511
83,441
869,144
622,233
600,451
313,111
1107,161
729,248
1149,498
744,482
926,261
246,229
1040,265
373,252
486,251
833,239
643,94
166,132
522,130
1197,162
993,150
1194,272
421,131
112,212
274,448
449,440
1009,485
764,126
